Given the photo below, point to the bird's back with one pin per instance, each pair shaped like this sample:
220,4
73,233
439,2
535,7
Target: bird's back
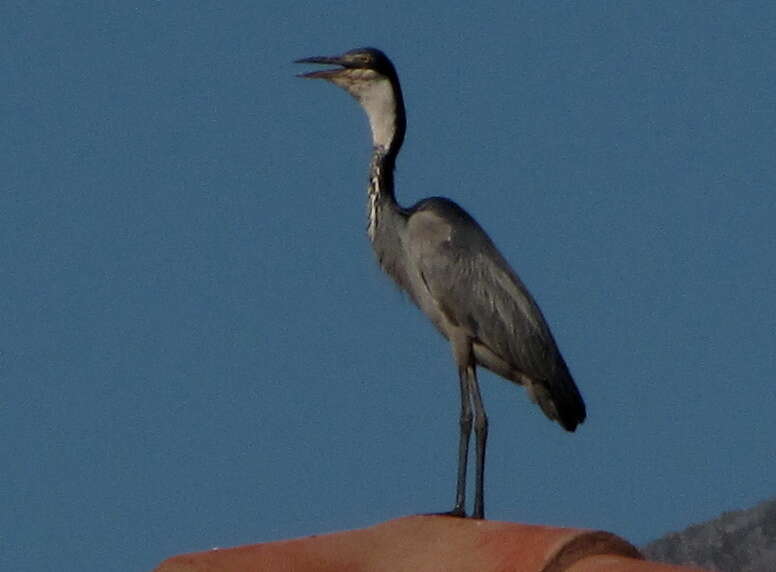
458,277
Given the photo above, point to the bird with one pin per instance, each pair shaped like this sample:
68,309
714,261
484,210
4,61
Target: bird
450,268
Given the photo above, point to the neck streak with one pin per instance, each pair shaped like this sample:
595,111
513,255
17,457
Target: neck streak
380,192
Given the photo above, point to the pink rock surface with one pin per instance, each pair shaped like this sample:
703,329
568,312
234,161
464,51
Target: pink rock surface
431,544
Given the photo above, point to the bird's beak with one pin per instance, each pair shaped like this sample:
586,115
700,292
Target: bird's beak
325,60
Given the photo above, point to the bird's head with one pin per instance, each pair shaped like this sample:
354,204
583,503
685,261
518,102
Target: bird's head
361,65
369,76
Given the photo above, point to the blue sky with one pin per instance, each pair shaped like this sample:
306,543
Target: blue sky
198,349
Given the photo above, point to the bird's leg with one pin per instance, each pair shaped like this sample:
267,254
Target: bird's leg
465,422
481,435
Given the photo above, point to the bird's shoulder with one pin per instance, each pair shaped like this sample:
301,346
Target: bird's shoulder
454,255
440,222
462,269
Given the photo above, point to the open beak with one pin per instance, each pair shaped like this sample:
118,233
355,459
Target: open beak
324,60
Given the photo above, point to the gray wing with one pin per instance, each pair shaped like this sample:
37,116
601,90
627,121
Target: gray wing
464,280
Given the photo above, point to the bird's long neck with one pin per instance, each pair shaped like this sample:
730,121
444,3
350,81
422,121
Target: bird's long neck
386,218
381,98
384,107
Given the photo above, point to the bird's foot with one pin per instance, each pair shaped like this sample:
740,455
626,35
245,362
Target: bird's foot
457,512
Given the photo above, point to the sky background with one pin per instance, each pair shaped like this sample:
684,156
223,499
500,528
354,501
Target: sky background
197,347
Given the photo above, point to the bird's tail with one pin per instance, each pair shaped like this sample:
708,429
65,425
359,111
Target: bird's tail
559,398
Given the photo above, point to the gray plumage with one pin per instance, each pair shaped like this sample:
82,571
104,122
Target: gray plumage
437,253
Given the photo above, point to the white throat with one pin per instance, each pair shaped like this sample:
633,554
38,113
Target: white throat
375,94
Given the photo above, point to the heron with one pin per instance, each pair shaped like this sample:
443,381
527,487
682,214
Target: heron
450,268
